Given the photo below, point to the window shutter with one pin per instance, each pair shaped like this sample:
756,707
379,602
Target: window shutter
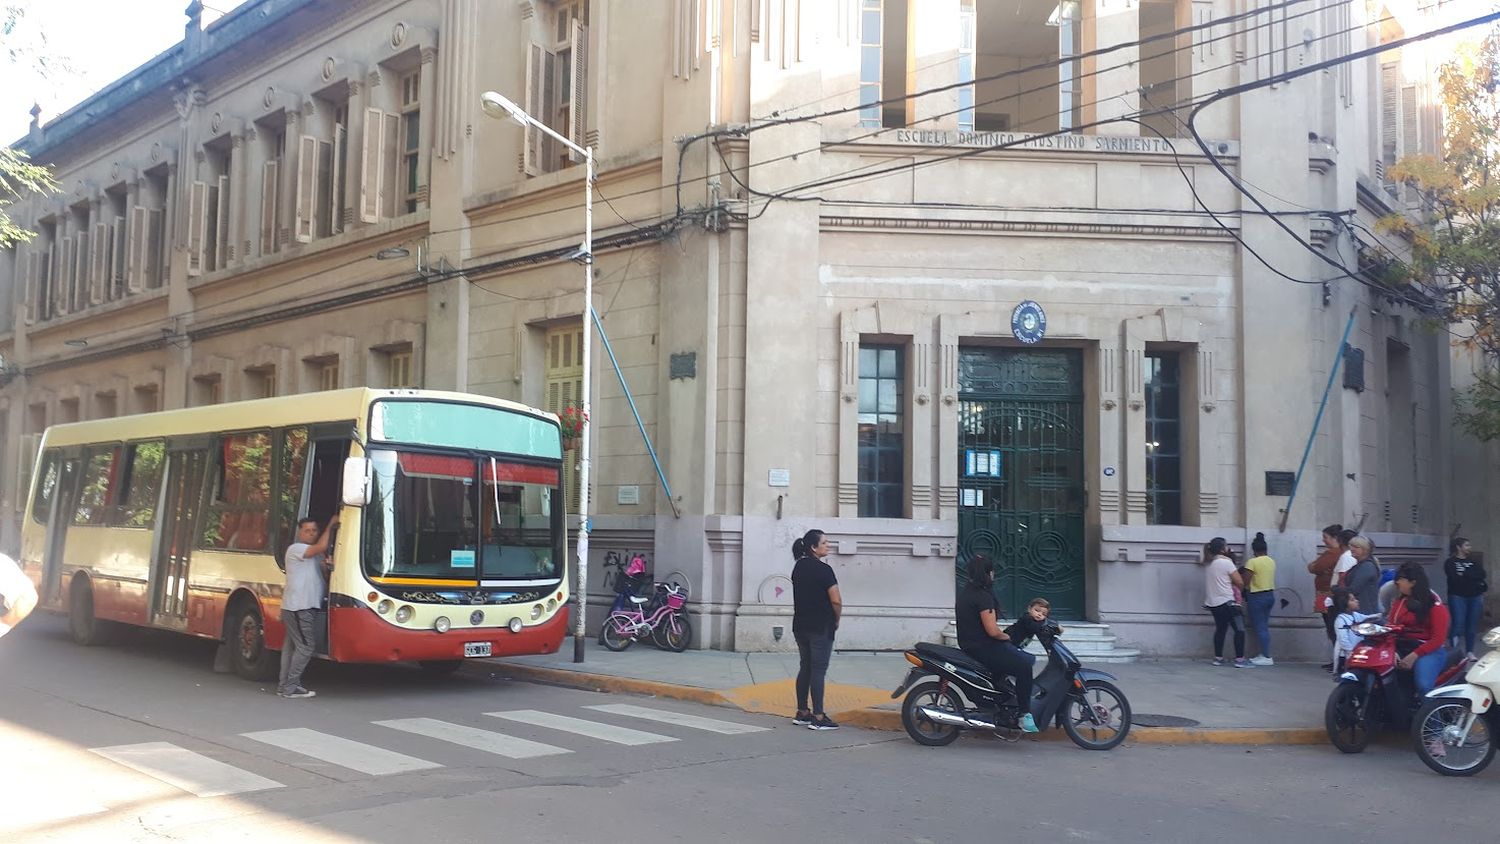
117,259
579,103
135,257
531,149
80,279
269,191
33,277
1411,137
1354,368
371,169
307,189
197,224
1390,91
98,262
336,182
156,247
25,465
390,162
62,276
46,266
221,226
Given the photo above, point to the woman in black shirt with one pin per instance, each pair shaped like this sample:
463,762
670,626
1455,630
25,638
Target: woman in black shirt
980,636
816,606
1466,588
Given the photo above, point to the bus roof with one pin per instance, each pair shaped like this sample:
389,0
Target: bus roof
278,412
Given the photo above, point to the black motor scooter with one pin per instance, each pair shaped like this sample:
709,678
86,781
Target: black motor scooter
1089,708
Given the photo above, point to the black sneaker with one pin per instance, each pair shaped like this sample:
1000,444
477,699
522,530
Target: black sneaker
822,722
298,692
803,719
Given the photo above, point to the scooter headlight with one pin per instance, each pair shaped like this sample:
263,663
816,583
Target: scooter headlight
1370,628
1492,638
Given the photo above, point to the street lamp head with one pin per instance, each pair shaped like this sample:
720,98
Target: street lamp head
497,106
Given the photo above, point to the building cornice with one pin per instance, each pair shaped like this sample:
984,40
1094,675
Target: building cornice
929,224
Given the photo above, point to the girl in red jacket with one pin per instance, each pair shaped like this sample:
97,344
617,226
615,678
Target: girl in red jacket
1424,620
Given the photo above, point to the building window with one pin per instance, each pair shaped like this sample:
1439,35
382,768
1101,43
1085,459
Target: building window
328,375
564,388
1163,439
882,432
401,377
557,89
966,36
260,382
883,65
411,139
207,390
1015,34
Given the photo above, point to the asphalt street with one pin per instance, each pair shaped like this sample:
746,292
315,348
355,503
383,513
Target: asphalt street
141,742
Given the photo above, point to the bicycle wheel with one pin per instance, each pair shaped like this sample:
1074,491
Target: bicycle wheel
674,633
615,635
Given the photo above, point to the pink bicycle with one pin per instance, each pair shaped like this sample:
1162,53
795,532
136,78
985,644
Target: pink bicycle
662,617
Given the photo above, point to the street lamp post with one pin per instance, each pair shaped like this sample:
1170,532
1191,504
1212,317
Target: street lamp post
498,106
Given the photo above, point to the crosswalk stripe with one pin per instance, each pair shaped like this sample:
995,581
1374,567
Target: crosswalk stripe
499,744
185,769
592,729
696,722
365,758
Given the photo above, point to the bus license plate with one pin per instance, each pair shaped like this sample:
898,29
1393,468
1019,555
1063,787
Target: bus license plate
476,648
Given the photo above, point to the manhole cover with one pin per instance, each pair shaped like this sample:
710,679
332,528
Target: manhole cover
1147,720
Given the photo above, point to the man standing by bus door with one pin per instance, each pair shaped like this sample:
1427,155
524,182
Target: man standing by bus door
300,601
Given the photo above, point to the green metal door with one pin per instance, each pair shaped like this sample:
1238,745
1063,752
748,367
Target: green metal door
1020,467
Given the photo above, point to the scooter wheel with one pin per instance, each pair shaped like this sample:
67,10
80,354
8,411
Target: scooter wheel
924,730
1345,718
1098,718
1438,734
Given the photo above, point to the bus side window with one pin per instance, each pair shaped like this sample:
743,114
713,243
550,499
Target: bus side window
292,464
98,477
141,484
238,517
41,504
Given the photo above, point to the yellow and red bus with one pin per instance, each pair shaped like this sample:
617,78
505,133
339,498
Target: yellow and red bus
452,542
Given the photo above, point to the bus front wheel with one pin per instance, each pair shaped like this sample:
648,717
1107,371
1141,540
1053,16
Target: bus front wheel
86,628
247,645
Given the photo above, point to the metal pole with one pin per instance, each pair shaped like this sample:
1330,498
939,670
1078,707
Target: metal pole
1333,371
588,387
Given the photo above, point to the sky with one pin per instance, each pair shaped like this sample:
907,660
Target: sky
120,36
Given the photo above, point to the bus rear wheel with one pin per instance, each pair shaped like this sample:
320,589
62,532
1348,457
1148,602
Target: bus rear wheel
247,645
86,628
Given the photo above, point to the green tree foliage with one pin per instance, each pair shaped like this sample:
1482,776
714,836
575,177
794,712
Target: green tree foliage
1455,248
19,177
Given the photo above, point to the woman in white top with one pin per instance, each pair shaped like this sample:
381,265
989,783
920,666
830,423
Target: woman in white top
1346,558
1220,580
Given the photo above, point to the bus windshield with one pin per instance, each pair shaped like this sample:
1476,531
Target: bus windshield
439,516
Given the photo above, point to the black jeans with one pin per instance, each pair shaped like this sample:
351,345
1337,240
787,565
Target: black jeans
1004,658
813,651
1225,617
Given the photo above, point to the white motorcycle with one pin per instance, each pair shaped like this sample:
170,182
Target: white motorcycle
1454,731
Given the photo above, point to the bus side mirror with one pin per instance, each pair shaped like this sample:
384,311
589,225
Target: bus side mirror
356,481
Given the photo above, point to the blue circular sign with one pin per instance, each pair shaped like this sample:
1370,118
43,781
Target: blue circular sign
1028,322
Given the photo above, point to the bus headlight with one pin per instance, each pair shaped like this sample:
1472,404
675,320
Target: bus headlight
551,604
442,624
536,612
404,614
515,625
384,606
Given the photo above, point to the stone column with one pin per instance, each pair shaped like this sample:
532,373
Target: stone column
427,97
1111,83
239,187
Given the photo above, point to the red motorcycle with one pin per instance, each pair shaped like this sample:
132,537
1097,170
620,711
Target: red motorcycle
1371,693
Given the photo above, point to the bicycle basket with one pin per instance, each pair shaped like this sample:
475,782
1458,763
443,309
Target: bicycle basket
675,602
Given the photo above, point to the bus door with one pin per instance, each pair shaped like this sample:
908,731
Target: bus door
322,491
177,529
59,517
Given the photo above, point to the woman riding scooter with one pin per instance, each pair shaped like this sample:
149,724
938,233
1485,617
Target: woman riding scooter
979,634
1424,621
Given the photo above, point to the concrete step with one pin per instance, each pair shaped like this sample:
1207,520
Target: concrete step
1089,641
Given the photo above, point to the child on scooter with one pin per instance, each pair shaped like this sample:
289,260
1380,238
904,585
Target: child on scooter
1031,623
1346,608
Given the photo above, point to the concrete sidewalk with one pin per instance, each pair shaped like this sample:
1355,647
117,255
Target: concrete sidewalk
1194,701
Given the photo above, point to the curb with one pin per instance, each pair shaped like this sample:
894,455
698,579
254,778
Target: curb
881,719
